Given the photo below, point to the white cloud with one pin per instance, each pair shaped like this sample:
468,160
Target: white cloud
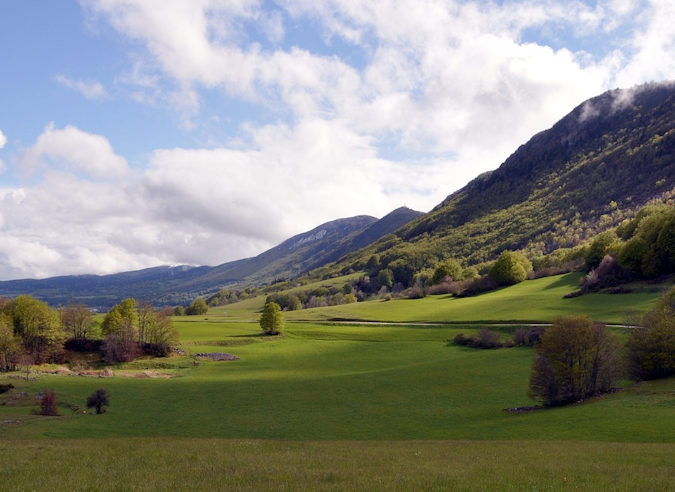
3,142
441,91
74,150
89,89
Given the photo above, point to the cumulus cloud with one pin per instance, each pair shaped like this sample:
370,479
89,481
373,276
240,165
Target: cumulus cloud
434,94
89,89
3,142
189,206
75,150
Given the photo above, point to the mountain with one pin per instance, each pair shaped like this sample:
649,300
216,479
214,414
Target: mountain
591,170
166,285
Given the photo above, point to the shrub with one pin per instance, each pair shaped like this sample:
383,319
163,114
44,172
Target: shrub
525,337
48,404
520,337
98,399
121,345
486,339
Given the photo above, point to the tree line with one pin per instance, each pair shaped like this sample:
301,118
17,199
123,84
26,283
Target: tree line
31,332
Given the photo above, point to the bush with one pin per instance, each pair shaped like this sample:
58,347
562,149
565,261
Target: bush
486,339
98,399
575,359
48,404
121,346
527,338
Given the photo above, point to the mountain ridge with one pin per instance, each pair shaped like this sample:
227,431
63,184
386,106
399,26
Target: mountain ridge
172,285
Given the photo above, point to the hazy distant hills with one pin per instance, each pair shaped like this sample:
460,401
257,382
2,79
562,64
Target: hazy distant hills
180,285
610,155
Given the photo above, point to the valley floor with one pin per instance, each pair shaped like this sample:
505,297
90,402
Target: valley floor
334,407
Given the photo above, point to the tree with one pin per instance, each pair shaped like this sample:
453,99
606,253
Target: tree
161,335
122,314
632,255
197,307
179,311
272,320
77,320
48,405
98,399
448,269
146,317
599,248
651,347
385,278
38,326
575,359
10,347
510,268
122,344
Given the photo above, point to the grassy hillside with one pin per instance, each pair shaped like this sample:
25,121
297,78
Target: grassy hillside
530,301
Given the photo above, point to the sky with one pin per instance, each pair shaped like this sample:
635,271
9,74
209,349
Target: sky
137,133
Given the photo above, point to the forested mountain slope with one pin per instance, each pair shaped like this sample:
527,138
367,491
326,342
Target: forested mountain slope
610,155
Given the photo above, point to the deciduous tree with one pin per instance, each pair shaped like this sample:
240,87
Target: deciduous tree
272,320
575,359
510,268
98,400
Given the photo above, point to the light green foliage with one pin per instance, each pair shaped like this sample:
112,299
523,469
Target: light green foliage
272,319
198,307
122,314
38,326
10,347
350,299
469,273
179,311
510,268
449,268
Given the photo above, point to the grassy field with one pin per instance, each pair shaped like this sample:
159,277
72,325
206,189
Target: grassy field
531,301
253,465
342,407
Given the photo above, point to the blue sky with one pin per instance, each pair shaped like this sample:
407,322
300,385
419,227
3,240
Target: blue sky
135,133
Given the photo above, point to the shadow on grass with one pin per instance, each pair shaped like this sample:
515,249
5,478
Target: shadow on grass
567,280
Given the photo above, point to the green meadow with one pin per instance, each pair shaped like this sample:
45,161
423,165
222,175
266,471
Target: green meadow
331,406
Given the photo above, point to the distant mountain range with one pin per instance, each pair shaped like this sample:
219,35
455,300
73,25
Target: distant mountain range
165,285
